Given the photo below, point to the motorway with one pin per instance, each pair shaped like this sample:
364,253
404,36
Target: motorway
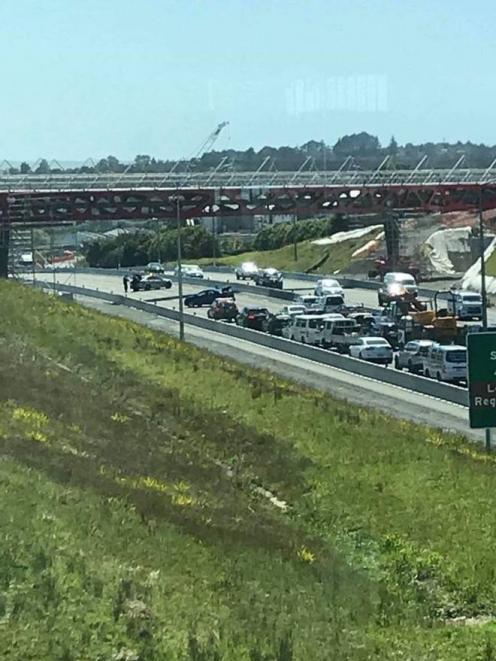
113,284
357,389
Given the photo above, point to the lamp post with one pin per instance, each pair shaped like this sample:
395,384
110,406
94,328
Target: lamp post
177,199
157,238
483,282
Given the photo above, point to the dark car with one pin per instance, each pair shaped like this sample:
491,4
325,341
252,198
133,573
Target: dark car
223,309
274,323
154,267
207,297
252,317
269,278
149,282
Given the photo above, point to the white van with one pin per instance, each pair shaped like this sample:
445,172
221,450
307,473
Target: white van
331,303
305,328
339,332
465,305
446,363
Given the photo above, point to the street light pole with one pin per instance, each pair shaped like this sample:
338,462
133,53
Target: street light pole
295,243
483,282
157,232
483,261
178,198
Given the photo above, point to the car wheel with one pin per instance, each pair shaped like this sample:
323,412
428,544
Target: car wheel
168,285
427,374
438,376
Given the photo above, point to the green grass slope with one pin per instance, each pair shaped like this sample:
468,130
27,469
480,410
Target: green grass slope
159,502
333,258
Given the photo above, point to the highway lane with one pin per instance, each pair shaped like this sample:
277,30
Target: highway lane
113,284
398,402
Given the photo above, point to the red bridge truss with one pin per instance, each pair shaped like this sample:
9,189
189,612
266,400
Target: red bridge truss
80,205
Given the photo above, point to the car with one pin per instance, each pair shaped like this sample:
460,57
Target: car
189,271
276,323
409,356
246,271
328,286
395,285
149,282
207,297
223,309
154,267
330,303
268,278
372,349
293,310
310,302
252,317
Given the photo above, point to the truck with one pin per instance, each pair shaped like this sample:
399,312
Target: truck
465,305
339,334
416,320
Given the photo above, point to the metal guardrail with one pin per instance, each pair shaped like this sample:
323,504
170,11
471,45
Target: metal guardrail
393,377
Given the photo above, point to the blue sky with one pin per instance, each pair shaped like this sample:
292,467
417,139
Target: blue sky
88,78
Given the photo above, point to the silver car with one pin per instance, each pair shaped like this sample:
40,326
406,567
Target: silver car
410,357
246,271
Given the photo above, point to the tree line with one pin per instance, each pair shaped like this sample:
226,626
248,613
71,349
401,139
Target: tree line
363,151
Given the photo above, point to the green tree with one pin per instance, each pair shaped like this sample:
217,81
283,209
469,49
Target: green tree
43,167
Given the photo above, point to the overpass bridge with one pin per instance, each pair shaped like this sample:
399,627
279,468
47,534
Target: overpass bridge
64,197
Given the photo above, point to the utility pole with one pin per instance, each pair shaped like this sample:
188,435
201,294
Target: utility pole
483,282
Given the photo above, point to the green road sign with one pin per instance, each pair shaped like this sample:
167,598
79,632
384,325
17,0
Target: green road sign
482,379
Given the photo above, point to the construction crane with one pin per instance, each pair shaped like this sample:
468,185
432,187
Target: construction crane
209,142
205,146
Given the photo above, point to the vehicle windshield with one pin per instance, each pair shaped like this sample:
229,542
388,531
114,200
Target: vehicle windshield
457,356
472,298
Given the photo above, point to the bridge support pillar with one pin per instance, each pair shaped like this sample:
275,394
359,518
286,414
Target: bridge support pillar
392,237
4,250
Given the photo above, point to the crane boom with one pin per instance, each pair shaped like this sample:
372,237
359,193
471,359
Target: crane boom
210,141
208,144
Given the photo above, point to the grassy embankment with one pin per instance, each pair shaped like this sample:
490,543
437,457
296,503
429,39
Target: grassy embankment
491,265
338,256
137,518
